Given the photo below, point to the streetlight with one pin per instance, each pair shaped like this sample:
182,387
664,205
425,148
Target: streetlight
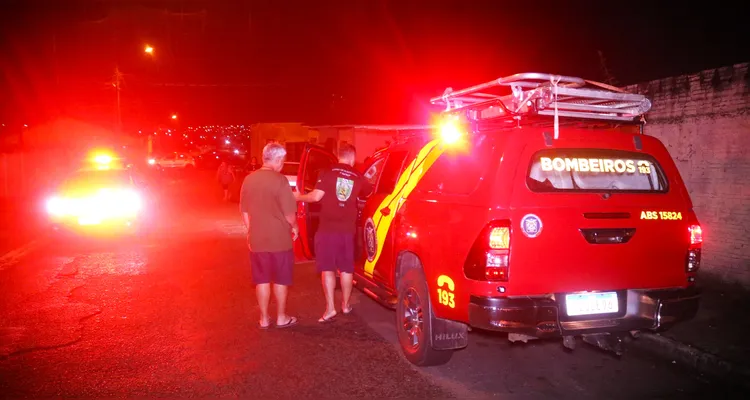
177,122
150,52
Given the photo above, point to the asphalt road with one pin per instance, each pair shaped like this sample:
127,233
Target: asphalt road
175,315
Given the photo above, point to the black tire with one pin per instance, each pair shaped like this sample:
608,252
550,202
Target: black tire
413,291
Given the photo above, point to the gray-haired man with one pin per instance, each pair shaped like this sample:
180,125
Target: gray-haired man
269,211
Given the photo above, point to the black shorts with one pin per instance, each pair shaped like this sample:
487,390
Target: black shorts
272,267
225,186
334,250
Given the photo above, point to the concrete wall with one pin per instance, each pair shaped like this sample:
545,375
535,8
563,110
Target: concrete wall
704,121
261,134
367,139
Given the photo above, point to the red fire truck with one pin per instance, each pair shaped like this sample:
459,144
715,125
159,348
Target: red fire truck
537,207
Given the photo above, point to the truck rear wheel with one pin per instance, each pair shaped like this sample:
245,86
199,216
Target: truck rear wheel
414,321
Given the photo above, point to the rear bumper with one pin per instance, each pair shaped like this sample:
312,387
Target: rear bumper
544,317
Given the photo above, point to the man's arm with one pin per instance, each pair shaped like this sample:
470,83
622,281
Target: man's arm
320,187
311,197
245,210
244,206
246,220
292,219
365,190
289,207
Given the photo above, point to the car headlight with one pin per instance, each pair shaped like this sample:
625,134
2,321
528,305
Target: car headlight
118,202
102,204
131,200
56,206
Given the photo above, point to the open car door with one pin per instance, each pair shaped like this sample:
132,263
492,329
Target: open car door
314,159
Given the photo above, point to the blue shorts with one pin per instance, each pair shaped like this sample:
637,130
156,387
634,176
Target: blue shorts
334,250
272,267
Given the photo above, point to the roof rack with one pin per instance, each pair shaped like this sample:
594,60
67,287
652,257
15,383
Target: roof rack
534,93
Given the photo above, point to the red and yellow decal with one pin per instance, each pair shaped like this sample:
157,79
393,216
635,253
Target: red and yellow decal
446,286
388,208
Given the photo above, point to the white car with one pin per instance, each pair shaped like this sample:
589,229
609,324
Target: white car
175,160
290,170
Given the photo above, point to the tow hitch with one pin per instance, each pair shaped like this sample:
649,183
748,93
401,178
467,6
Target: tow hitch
605,341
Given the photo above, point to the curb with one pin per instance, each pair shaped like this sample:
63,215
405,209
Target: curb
693,357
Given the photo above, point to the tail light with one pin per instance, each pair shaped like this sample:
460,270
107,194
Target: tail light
696,235
489,258
693,261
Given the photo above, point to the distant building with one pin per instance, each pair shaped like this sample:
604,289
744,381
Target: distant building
366,138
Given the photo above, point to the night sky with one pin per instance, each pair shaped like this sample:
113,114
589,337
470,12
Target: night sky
324,62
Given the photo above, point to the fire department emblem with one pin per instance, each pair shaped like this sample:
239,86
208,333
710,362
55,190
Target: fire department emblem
344,188
531,225
371,240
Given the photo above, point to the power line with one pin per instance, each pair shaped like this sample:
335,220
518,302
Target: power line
180,84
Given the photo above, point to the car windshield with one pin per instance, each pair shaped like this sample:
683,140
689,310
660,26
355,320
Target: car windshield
290,169
586,170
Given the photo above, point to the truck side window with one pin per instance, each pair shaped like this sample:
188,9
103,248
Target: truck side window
391,171
473,166
373,172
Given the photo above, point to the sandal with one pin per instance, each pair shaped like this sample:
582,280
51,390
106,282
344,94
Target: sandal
263,327
292,321
347,310
326,319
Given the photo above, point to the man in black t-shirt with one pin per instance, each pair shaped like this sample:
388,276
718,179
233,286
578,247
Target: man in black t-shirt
337,191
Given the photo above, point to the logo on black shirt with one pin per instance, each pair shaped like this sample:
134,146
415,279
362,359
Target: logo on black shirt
371,240
344,188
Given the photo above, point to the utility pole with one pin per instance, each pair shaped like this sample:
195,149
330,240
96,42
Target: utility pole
117,85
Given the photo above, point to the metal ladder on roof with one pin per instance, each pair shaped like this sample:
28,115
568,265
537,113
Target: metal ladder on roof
541,94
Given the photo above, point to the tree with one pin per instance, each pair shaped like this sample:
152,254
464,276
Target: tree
608,77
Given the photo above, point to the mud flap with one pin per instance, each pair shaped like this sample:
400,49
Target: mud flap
448,335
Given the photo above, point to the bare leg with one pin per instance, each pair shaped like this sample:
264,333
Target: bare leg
280,293
328,279
346,290
263,292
